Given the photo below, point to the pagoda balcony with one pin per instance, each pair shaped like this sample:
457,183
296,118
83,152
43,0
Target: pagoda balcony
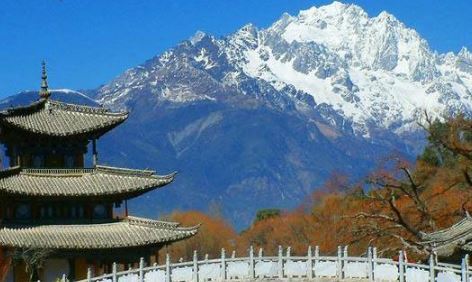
59,171
79,171
55,221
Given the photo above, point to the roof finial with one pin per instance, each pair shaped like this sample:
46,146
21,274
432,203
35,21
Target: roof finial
44,92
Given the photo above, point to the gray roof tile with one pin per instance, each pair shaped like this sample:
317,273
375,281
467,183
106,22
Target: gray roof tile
61,119
130,232
98,181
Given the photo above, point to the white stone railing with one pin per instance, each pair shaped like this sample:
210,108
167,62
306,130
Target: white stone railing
285,267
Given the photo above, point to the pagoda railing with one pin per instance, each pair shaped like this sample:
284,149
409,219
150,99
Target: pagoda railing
286,267
57,170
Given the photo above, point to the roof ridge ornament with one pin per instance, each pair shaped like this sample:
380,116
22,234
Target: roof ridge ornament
44,92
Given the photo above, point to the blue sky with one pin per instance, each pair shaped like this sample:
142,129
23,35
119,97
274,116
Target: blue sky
88,42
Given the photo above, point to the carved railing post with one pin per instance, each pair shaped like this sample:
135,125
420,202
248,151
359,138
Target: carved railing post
339,267
431,268
374,261
89,274
317,257
370,270
141,270
168,270
114,278
466,258
223,265
289,250
309,264
401,267
251,262
463,271
195,266
344,260
280,264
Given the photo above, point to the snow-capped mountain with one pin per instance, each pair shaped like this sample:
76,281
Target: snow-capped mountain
373,72
261,117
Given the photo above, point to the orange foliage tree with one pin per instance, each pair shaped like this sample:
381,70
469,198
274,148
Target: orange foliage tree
405,201
214,234
318,221
292,229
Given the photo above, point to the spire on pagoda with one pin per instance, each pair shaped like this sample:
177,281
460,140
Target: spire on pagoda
44,92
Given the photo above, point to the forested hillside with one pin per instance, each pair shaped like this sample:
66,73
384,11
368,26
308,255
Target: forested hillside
389,209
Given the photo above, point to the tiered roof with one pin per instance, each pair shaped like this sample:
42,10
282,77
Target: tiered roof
57,119
75,183
130,232
444,242
54,118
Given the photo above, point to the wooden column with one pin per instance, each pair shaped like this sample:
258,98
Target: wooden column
72,272
94,152
5,263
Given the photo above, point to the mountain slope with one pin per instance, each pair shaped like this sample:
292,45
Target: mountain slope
374,72
262,117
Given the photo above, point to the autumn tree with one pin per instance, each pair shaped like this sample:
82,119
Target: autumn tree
317,221
213,234
404,200
287,229
450,146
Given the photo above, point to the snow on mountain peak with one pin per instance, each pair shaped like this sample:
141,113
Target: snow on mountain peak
374,72
197,37
246,36
379,42
465,55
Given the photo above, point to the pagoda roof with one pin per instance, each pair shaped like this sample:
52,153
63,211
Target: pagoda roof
56,118
446,241
129,232
72,183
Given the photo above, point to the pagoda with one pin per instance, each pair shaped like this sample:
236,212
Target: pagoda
451,243
51,203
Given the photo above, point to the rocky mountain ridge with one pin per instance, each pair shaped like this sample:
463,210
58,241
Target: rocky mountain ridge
262,117
373,72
